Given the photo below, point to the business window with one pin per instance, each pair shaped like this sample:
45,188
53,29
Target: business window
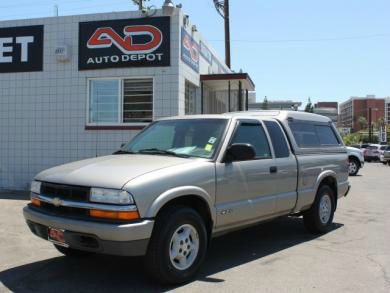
120,101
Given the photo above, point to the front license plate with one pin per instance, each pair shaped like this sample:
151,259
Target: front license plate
56,236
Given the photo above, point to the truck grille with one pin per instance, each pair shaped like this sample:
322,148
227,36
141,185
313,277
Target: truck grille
63,211
65,192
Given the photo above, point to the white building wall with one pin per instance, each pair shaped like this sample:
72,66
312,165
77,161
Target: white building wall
43,114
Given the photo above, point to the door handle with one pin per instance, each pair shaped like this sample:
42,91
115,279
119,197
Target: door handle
273,169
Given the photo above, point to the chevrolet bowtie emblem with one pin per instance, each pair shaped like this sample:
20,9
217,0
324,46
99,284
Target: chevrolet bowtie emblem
57,202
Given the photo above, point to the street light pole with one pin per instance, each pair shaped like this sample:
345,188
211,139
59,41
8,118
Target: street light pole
369,124
224,10
227,34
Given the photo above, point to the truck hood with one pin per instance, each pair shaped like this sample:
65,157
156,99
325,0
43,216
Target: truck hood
110,171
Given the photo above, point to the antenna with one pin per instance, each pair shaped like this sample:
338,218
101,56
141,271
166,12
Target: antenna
222,8
139,3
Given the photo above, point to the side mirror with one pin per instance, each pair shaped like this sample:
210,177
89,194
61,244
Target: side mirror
122,145
240,152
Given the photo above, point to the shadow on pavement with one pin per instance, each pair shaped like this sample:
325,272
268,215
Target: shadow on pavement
119,274
14,195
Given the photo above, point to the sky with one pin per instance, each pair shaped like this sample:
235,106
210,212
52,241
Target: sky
328,50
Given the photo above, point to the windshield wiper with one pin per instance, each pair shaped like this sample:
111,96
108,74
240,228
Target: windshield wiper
121,152
155,151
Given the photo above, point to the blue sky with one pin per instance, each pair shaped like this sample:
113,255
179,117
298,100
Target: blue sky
327,50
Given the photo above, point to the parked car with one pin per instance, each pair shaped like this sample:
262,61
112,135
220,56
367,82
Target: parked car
386,156
184,180
382,150
356,160
372,153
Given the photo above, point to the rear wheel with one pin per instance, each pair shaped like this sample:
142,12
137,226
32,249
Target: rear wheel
71,252
178,245
320,216
353,167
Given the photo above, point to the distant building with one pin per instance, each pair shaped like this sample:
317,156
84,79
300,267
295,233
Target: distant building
328,109
356,107
387,110
276,105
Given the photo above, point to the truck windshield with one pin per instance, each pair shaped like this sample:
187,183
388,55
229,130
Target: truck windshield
179,137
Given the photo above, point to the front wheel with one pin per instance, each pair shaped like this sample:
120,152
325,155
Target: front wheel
178,245
320,216
353,168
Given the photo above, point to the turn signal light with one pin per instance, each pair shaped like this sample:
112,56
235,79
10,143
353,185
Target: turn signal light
36,202
130,215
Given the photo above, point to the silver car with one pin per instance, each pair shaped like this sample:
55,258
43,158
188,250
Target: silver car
184,180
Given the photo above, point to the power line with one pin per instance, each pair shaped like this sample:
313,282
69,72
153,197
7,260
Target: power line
308,40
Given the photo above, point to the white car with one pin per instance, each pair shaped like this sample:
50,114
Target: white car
356,160
382,150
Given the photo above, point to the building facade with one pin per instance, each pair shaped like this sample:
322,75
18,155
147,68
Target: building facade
276,105
328,109
75,87
387,110
356,107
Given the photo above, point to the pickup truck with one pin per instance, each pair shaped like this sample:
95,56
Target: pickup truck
182,181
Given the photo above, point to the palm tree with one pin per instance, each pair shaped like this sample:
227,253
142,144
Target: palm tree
362,122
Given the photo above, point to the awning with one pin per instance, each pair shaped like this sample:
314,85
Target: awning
225,92
220,81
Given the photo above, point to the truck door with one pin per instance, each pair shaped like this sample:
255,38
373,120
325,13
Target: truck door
286,169
245,188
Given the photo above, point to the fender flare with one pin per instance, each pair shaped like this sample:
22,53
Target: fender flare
178,192
322,176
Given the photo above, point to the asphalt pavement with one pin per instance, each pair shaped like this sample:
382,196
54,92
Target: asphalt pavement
278,256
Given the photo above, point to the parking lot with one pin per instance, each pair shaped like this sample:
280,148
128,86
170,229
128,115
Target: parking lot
278,256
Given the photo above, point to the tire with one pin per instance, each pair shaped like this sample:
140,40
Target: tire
354,167
71,252
316,221
164,243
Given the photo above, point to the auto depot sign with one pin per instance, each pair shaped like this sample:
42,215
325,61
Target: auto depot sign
143,42
21,49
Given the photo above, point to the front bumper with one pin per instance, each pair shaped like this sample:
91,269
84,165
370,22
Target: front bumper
117,239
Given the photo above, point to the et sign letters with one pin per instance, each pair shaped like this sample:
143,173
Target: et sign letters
21,49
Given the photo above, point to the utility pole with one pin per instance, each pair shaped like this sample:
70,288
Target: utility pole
224,10
369,125
227,34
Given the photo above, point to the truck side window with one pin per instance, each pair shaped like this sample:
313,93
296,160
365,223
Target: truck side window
278,139
308,134
305,134
326,135
253,134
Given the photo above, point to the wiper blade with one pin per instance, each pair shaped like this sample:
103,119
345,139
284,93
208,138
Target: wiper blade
162,152
121,152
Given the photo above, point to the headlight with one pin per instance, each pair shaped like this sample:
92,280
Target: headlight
114,196
36,187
